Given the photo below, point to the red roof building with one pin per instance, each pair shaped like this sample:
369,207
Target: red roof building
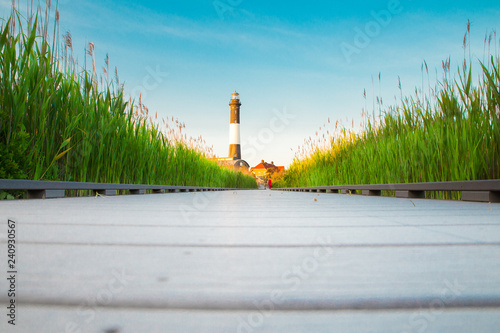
261,169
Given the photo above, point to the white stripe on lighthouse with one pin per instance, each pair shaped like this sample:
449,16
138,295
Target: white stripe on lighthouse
234,134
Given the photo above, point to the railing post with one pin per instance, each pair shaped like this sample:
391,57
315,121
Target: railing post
136,191
108,193
372,193
46,194
410,194
347,191
481,196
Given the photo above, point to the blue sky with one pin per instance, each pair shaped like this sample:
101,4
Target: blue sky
295,64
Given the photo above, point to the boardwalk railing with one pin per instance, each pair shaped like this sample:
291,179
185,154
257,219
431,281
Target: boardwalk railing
477,190
38,189
480,190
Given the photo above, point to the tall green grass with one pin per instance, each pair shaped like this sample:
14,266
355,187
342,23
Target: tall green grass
449,136
57,124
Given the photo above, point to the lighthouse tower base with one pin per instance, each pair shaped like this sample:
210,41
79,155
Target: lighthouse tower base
234,163
235,151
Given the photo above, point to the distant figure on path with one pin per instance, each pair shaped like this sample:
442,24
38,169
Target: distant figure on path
269,182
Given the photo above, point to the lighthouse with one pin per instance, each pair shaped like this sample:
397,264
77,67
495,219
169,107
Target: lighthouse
234,160
234,127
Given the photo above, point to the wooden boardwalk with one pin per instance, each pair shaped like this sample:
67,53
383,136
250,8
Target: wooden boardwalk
252,261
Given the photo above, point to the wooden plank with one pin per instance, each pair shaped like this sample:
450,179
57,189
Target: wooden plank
216,278
247,236
49,319
227,209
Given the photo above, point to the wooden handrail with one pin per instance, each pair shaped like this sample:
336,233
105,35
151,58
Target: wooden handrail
40,189
474,190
